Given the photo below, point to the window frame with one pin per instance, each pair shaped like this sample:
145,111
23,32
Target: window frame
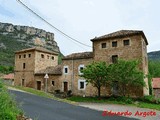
64,70
114,58
53,83
79,84
103,45
24,65
124,44
79,68
114,42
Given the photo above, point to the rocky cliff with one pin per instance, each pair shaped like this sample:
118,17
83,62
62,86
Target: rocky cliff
16,37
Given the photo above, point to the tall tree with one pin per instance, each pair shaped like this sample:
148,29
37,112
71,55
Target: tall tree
126,73
96,74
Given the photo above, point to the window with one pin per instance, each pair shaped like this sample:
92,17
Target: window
29,55
47,56
42,56
24,55
81,67
115,88
103,45
81,84
114,44
19,56
24,65
52,57
53,83
126,42
114,58
65,69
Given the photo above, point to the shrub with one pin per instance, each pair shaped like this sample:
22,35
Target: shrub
8,107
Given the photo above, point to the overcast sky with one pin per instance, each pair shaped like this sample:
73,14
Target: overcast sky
85,19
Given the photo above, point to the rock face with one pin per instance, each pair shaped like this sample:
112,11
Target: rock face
15,37
29,35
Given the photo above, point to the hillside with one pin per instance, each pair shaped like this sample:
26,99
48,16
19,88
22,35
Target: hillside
155,55
15,37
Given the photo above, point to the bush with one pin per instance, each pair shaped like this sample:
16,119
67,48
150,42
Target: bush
8,107
150,99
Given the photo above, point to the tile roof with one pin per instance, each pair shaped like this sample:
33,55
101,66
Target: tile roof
41,49
121,33
82,55
8,76
54,70
156,82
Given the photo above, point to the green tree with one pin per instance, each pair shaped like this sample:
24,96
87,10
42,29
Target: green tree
154,68
96,74
126,73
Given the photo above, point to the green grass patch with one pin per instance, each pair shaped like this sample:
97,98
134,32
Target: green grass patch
35,92
142,103
8,106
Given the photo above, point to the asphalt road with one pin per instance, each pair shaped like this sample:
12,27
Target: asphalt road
39,108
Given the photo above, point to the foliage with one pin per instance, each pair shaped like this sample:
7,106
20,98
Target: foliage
126,73
8,107
96,74
154,68
6,69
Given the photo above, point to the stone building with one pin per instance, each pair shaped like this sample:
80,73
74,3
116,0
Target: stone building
123,44
127,45
29,62
156,87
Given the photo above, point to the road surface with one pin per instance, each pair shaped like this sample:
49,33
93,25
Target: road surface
40,108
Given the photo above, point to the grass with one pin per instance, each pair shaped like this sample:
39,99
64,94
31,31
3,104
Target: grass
8,106
118,100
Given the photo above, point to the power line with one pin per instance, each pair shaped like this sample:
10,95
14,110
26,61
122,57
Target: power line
64,34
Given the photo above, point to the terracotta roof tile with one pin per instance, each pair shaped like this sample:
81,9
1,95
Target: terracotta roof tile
82,55
9,76
55,70
121,33
41,49
156,82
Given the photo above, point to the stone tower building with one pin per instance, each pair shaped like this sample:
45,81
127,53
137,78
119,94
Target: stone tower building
29,61
123,44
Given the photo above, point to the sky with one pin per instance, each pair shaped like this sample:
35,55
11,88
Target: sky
86,19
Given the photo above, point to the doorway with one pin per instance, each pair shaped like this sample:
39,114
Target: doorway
65,86
38,85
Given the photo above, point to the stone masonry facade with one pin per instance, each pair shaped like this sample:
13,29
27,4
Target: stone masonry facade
123,44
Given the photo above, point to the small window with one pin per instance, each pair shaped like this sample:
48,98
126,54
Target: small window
47,56
19,56
126,42
24,55
24,65
81,67
42,56
114,58
29,55
114,44
53,83
103,45
65,69
81,84
52,57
